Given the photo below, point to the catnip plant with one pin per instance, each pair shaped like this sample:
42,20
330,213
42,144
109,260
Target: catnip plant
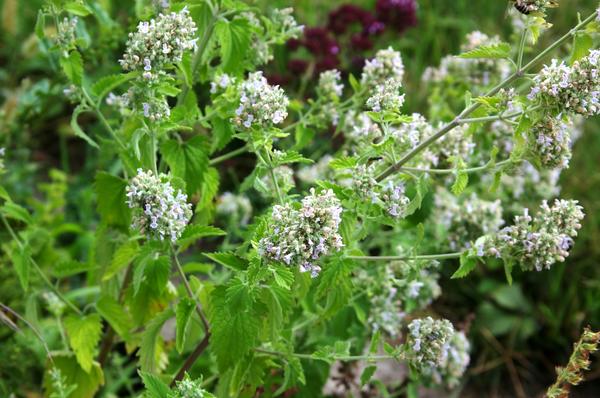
238,289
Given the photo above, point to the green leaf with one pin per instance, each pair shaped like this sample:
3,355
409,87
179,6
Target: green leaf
291,157
155,387
234,38
335,285
303,136
582,43
40,25
16,212
77,8
78,130
344,162
87,383
498,50
467,265
114,313
124,255
234,330
188,160
84,333
108,83
460,183
222,132
194,232
69,268
150,348
366,375
354,83
156,272
229,260
183,313
283,276
21,259
111,197
72,65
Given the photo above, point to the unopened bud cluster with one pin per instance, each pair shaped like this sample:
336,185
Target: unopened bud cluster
300,236
285,24
188,388
409,135
330,84
387,65
260,103
386,96
427,343
391,196
359,128
450,372
537,242
159,43
66,33
549,143
158,210
570,89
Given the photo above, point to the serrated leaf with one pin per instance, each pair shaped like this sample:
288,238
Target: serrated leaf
111,200
72,267
114,313
283,276
78,130
108,83
234,39
222,132
497,50
187,160
460,183
183,313
72,66
124,255
366,375
234,331
16,212
84,333
335,285
77,8
291,157
150,349
303,136
156,273
467,265
582,43
229,260
345,162
155,387
193,233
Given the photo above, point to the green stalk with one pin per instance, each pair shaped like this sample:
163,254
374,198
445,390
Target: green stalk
404,258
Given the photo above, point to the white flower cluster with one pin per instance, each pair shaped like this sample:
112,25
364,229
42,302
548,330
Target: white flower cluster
394,199
531,183
409,135
137,100
188,388
549,143
386,96
235,207
318,171
450,372
364,183
158,210
54,304
539,242
465,220
330,84
286,25
570,89
159,43
474,72
418,283
359,128
428,343
386,65
221,82
284,175
299,237
457,143
260,103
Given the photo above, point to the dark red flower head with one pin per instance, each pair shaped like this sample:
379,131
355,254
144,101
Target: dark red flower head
397,14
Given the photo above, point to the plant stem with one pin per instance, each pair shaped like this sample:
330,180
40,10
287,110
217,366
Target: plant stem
228,155
204,342
491,118
102,119
452,171
402,258
189,290
473,107
273,176
153,152
38,269
345,358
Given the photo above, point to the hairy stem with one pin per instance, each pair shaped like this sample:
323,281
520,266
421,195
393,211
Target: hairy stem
191,359
452,171
228,155
402,258
189,290
344,358
473,107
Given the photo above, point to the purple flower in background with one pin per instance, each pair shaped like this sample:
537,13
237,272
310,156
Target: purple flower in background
397,14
